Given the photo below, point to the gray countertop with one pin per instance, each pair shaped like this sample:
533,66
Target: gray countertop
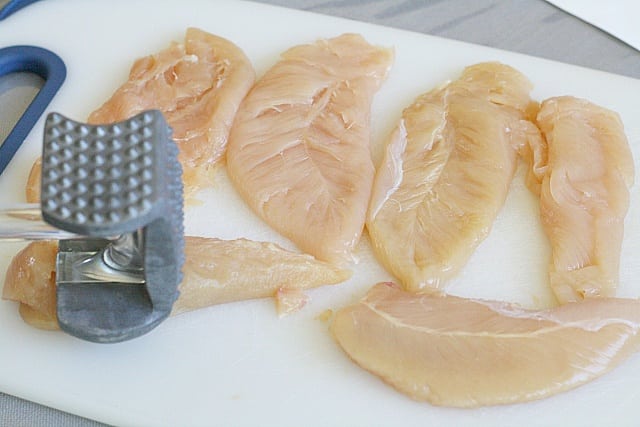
533,27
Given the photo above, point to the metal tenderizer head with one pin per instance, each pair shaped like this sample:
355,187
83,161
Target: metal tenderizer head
120,186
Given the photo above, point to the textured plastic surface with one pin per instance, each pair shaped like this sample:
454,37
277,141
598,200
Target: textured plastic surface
110,180
239,364
47,65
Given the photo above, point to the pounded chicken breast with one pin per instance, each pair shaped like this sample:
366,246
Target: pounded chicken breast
299,150
453,351
582,171
215,272
446,172
198,85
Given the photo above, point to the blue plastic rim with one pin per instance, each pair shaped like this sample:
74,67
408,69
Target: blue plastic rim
13,6
47,65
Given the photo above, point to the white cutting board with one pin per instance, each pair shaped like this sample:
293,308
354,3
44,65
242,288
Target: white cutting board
238,364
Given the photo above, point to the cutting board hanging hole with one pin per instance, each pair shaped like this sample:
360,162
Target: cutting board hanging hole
17,91
29,78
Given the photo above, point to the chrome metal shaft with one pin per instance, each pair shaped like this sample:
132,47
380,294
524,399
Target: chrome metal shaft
24,222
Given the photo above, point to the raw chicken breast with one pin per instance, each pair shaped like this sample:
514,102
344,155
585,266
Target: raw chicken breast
198,86
289,301
218,271
583,171
446,172
215,272
460,352
299,149
32,190
31,280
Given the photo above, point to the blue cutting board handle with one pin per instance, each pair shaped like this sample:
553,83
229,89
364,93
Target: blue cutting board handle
13,6
47,65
